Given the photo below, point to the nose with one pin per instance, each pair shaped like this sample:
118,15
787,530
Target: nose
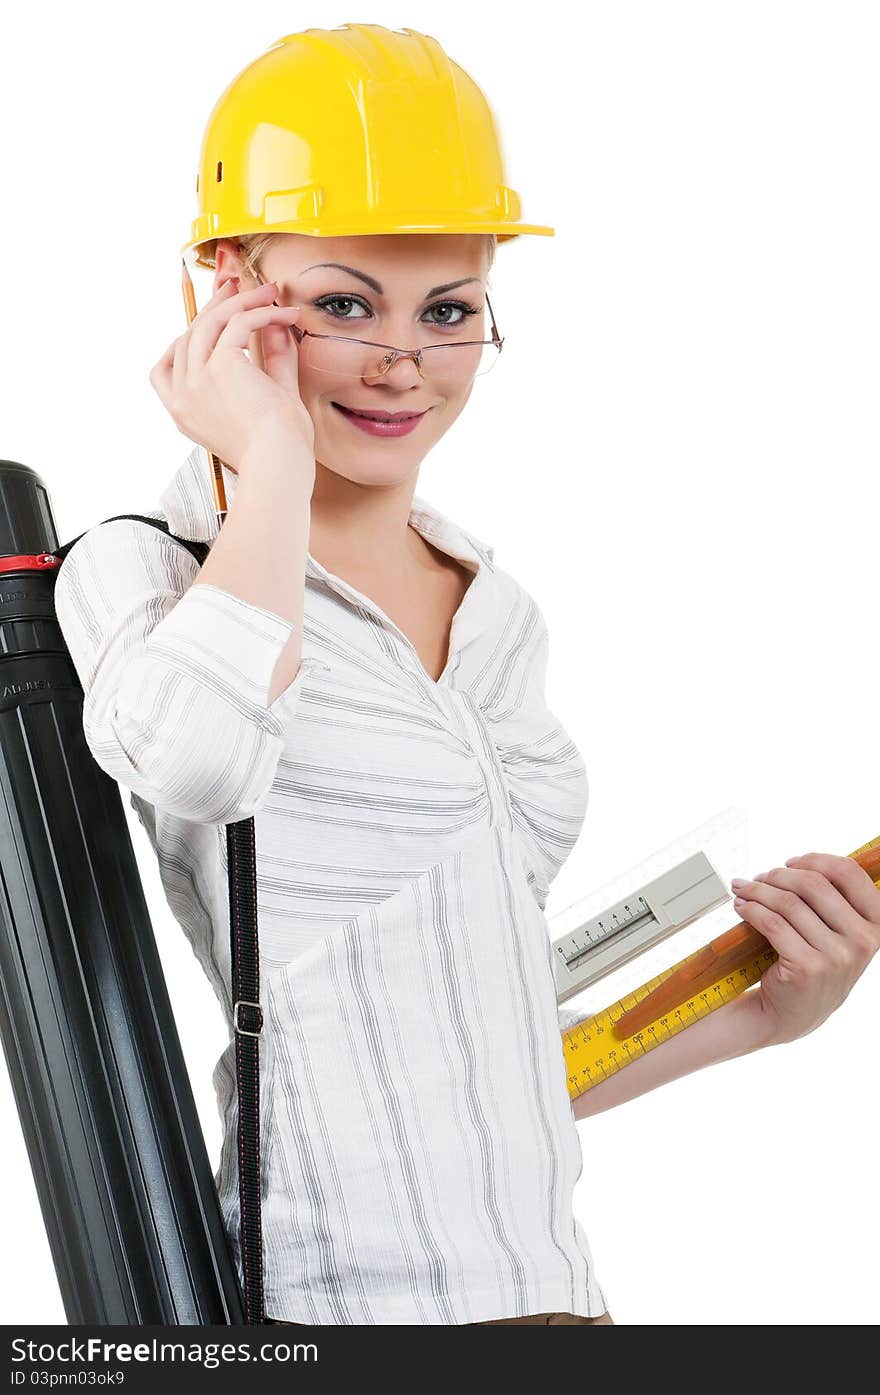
402,373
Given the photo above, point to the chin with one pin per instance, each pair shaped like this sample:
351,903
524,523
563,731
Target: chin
374,471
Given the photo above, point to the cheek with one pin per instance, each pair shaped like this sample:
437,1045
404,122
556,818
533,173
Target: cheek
455,404
310,385
316,392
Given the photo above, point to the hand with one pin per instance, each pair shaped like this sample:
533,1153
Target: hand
221,399
821,913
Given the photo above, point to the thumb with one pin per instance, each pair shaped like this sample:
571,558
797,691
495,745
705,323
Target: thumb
280,361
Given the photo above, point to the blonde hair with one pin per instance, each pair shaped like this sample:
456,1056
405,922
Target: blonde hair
252,245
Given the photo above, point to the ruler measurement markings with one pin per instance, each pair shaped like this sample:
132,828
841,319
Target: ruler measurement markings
580,1042
585,1047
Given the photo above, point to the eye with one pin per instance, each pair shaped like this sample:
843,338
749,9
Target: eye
461,305
326,301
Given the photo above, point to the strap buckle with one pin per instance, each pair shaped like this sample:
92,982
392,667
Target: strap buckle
242,1031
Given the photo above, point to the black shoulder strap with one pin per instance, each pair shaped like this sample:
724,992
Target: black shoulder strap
247,1013
199,550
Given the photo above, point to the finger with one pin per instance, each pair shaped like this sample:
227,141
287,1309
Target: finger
168,373
223,293
280,360
178,367
244,323
789,944
231,285
812,887
805,899
852,881
209,324
162,370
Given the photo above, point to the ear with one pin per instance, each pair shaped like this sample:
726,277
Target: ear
229,263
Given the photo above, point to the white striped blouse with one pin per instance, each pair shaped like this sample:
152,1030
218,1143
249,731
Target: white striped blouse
419,1149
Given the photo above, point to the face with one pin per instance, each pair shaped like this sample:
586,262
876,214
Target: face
406,266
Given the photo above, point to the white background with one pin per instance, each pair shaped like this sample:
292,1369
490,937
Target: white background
677,454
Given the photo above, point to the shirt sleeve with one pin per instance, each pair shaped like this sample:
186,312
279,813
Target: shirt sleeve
175,676
569,1017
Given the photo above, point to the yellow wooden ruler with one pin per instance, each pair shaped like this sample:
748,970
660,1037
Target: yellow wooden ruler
593,1051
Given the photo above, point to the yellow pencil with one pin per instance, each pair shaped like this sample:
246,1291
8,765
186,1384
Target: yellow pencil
189,301
736,947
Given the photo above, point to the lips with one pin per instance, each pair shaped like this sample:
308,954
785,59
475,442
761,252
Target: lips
380,416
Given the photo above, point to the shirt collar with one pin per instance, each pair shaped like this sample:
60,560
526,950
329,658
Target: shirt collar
188,505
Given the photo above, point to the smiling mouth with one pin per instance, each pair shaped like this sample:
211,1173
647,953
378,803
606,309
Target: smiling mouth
380,416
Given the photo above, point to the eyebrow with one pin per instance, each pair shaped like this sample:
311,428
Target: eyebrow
435,290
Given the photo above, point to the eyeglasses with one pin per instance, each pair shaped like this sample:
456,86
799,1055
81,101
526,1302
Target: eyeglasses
358,358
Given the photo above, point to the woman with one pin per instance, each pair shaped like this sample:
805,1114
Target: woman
353,668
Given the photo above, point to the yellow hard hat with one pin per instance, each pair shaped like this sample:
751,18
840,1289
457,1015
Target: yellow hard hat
357,129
